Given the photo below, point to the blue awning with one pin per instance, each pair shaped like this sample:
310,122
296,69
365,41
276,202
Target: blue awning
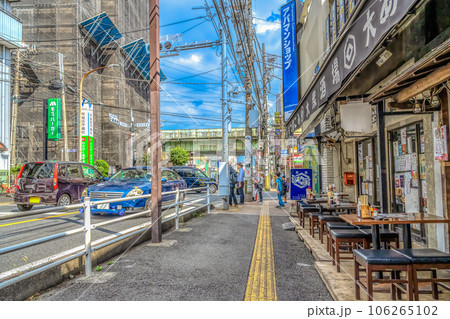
102,29
140,56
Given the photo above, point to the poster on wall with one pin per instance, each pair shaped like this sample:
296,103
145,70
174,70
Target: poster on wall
440,143
289,52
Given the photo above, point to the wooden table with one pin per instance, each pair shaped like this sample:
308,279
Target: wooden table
320,200
342,206
406,220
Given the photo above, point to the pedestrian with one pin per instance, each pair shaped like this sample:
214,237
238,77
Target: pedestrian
233,181
285,188
259,182
279,182
240,180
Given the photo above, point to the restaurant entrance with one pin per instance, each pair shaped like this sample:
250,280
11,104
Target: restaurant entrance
368,170
407,149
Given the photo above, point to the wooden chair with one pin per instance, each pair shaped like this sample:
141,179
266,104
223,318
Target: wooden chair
382,260
343,241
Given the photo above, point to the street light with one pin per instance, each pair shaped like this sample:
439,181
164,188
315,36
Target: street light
81,103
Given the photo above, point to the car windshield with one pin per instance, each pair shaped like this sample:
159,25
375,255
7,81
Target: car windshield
132,174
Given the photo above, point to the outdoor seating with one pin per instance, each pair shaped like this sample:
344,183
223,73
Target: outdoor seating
323,219
382,260
387,237
427,260
335,225
314,220
304,209
343,241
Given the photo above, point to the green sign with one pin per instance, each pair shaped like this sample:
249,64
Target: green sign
54,119
87,150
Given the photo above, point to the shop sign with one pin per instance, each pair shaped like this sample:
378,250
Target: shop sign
284,153
298,158
54,119
87,118
87,150
440,143
301,180
376,18
289,52
277,131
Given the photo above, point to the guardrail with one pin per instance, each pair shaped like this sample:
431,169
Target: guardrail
88,227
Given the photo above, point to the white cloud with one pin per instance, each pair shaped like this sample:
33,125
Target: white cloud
264,26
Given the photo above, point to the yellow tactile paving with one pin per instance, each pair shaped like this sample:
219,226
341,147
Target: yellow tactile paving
261,280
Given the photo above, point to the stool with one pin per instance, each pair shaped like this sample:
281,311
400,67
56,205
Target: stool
382,260
314,221
304,209
427,259
343,241
387,237
335,225
323,219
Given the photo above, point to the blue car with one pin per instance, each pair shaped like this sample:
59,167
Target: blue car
194,178
130,182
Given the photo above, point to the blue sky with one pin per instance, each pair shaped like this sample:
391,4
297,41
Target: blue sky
203,100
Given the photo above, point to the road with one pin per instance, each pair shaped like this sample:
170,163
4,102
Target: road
19,230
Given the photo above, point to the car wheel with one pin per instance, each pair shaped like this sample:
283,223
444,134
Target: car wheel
212,188
24,208
64,200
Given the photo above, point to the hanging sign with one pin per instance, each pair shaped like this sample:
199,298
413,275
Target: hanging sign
54,119
440,143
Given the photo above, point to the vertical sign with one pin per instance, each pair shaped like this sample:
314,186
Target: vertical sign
327,31
289,48
301,180
342,8
54,119
87,132
333,22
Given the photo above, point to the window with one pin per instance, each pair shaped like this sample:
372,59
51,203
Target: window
169,176
188,172
74,171
61,170
38,170
368,178
200,174
91,173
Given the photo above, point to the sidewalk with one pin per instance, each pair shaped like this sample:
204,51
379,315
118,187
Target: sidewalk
240,254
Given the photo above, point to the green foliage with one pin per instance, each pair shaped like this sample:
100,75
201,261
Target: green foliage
99,268
179,156
102,167
146,159
16,169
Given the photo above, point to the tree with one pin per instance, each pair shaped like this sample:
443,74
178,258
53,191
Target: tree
179,156
16,169
102,167
146,160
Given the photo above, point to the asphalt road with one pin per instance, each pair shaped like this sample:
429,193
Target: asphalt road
19,230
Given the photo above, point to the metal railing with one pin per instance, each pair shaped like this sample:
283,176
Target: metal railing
88,227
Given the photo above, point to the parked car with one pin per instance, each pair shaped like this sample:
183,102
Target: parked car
53,183
130,182
194,178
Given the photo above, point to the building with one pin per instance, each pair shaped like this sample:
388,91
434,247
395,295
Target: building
205,146
68,39
376,103
10,39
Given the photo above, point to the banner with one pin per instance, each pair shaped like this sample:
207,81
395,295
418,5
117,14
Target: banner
301,180
54,119
87,132
289,51
87,150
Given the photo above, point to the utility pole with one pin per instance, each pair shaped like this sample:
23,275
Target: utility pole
225,114
15,107
63,106
266,110
248,105
155,121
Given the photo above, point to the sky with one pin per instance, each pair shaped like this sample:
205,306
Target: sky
202,100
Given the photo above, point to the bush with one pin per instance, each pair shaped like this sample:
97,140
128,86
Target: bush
179,156
16,169
102,167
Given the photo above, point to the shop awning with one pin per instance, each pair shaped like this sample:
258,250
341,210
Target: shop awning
371,22
139,56
101,29
429,71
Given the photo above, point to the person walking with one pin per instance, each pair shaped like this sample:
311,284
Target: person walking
233,181
285,188
240,180
279,182
259,182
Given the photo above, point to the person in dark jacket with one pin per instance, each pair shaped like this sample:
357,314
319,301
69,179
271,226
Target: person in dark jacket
233,181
